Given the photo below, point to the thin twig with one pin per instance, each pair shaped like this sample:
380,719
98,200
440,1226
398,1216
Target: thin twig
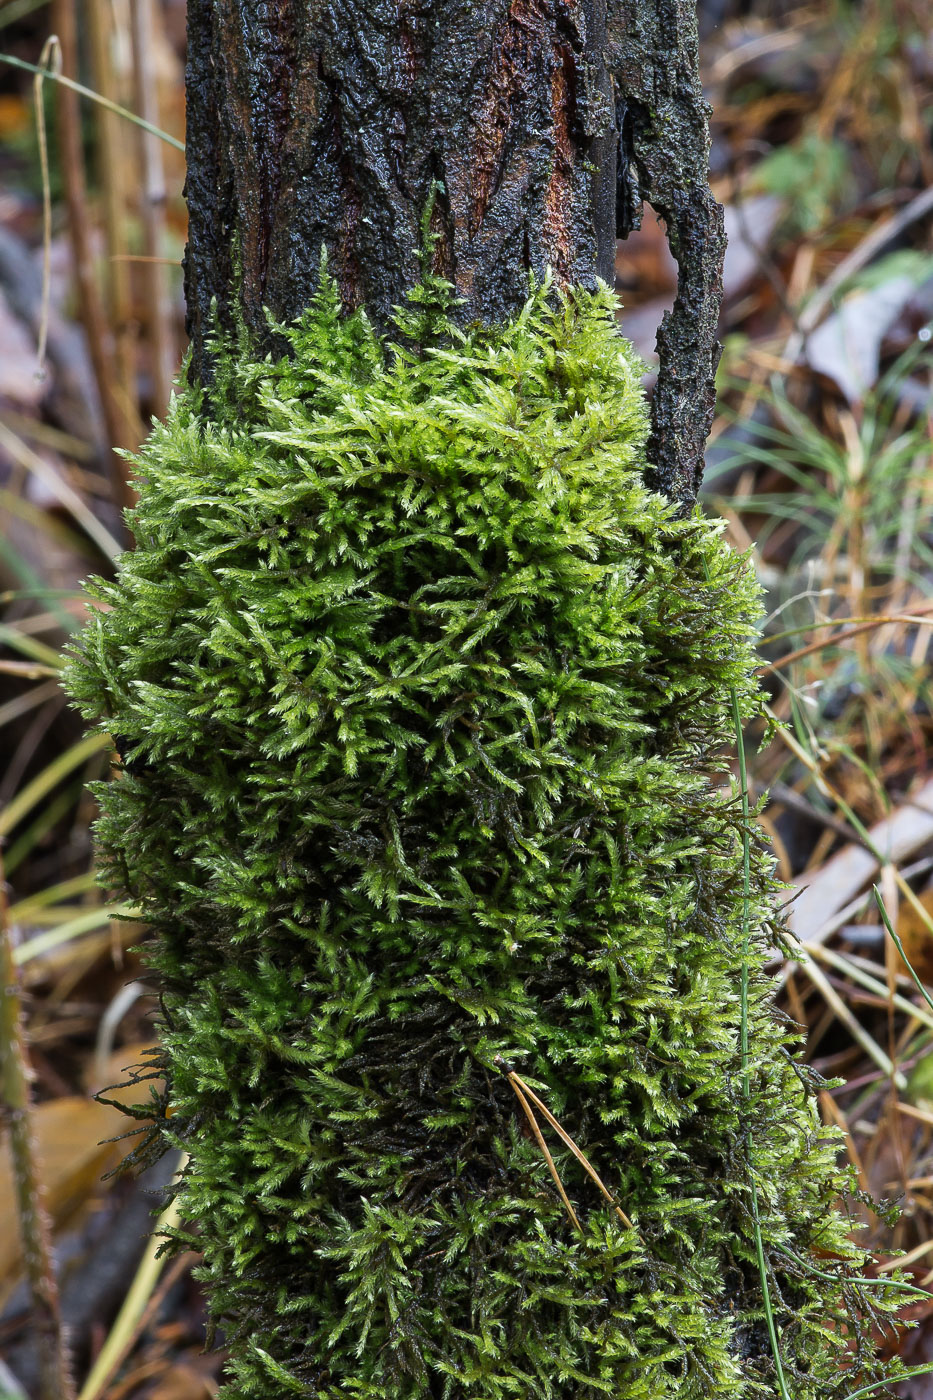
914,618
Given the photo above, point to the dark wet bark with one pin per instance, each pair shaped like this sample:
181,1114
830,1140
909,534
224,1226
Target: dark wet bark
663,146
328,122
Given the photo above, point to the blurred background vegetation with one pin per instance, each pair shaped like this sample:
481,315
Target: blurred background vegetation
820,463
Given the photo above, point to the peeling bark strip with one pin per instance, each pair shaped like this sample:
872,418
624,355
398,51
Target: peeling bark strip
662,121
326,122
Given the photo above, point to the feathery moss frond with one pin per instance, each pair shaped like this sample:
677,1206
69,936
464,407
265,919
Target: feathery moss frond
424,700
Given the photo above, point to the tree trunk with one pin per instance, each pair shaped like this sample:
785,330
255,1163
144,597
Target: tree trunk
544,124
419,693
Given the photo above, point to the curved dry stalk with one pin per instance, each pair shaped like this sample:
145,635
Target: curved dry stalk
51,59
915,617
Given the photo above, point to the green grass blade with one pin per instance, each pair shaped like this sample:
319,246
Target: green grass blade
94,97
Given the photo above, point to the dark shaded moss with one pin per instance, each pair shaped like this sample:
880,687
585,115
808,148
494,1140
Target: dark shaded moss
424,698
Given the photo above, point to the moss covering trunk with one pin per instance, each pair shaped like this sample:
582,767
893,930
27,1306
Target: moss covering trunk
424,698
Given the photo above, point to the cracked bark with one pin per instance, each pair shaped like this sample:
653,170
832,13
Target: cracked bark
547,124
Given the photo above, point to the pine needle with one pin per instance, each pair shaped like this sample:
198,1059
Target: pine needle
565,1137
539,1139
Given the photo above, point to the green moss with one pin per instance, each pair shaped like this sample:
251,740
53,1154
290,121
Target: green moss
424,699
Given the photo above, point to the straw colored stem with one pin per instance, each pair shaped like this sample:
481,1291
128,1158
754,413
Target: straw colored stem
871,1047
871,984
54,1376
152,196
113,170
44,782
30,461
915,618
79,229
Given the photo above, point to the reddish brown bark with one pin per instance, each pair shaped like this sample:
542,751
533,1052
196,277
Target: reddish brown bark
329,123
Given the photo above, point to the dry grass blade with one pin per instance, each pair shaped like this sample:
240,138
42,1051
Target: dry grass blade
12,11
33,904
153,196
871,984
65,932
137,1305
51,59
922,1115
27,670
568,1141
22,453
81,236
902,1260
833,1113
533,1123
104,30
915,618
850,870
858,1032
29,700
20,640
